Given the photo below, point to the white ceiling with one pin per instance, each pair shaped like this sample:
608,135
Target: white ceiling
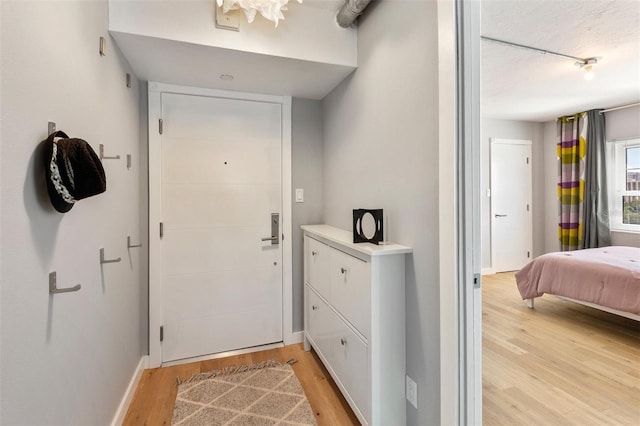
520,84
177,43
188,64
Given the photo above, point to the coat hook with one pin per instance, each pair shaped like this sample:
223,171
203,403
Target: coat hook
103,46
103,260
128,80
51,127
103,157
53,285
129,245
128,161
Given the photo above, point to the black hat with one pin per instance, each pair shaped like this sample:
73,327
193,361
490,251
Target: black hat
72,169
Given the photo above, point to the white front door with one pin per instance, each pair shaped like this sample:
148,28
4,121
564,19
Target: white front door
221,191
510,204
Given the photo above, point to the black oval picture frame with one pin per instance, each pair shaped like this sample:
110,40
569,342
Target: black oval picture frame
359,235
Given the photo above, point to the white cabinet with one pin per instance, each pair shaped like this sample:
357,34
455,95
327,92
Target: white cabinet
355,319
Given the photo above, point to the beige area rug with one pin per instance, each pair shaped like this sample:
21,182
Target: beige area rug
267,393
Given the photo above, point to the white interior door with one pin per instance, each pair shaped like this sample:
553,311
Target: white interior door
221,184
510,204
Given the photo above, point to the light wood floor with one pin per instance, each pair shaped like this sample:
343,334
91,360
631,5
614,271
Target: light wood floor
153,401
558,364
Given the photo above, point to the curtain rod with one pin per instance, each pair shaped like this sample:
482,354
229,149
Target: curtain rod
543,51
620,107
610,109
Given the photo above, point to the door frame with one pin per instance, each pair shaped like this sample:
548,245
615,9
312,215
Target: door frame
502,141
459,212
155,90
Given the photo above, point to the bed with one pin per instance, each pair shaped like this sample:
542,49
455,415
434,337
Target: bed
606,278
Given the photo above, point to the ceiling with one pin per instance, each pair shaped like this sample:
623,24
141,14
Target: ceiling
255,73
520,84
259,58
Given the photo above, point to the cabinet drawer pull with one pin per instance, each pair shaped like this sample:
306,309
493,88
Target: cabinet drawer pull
343,270
343,341
314,307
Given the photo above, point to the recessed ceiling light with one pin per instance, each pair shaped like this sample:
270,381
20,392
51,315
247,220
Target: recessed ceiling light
226,77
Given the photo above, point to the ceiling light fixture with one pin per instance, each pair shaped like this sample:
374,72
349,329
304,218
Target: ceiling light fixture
269,9
585,64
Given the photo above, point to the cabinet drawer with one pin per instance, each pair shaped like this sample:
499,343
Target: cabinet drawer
351,289
350,362
320,324
317,266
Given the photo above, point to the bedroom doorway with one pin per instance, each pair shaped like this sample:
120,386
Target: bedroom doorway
511,199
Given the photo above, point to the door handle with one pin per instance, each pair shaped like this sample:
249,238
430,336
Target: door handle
500,215
275,229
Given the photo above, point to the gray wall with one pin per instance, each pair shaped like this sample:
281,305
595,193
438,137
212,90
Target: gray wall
511,129
306,172
67,358
381,151
550,188
621,124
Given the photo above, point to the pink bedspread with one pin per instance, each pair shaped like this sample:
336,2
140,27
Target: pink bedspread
608,276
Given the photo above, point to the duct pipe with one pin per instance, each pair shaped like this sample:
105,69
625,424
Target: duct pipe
350,11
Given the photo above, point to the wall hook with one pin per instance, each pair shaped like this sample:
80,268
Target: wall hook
129,245
51,127
128,161
103,46
53,285
104,157
103,260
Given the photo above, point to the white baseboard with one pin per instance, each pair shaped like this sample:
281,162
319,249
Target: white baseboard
297,337
131,389
488,271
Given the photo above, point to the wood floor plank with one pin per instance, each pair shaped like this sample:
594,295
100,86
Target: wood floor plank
560,363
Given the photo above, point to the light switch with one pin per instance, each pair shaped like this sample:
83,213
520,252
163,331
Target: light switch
299,195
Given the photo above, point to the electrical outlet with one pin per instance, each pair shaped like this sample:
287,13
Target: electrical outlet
412,392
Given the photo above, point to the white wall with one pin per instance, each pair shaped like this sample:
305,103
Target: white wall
307,33
511,129
306,173
620,124
381,151
67,358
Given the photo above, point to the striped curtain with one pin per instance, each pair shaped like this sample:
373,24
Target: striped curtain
572,152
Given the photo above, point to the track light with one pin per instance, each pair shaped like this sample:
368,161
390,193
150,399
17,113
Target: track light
587,65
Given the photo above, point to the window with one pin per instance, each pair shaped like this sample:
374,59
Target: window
624,185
